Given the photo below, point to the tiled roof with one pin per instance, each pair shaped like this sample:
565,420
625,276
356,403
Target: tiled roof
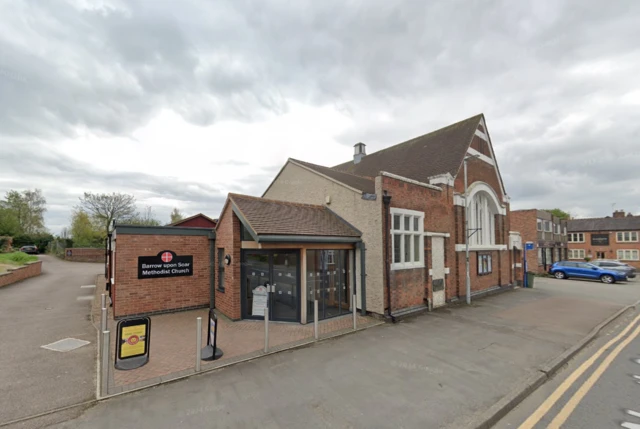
181,221
271,217
361,183
631,223
439,152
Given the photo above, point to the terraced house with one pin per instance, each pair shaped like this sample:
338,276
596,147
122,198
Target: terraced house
610,237
406,204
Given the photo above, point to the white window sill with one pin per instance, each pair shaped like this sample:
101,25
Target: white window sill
403,266
476,248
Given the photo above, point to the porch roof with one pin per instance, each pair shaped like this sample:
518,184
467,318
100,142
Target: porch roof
272,220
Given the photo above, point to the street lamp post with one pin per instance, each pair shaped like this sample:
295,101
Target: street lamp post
466,226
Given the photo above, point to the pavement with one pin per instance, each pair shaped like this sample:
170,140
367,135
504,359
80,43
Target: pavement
36,312
443,369
609,400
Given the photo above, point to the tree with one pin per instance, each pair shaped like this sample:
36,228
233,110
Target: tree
28,207
147,218
84,231
176,215
9,224
560,213
106,208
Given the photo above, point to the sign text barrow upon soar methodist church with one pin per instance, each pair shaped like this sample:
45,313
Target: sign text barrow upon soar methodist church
164,264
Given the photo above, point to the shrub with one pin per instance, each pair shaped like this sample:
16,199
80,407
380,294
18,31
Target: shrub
17,258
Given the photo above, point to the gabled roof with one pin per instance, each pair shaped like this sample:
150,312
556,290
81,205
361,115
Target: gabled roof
271,217
181,221
360,183
630,223
439,152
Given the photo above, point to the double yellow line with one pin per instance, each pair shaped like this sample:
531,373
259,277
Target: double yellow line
573,402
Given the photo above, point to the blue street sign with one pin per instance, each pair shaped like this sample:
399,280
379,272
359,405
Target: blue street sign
529,246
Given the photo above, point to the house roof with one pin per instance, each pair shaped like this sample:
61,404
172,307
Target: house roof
439,152
272,217
360,183
630,223
181,221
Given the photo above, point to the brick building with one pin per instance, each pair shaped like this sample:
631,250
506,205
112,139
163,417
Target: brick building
196,221
547,232
408,201
611,237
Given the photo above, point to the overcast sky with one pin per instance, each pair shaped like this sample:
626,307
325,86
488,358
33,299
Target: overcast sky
179,103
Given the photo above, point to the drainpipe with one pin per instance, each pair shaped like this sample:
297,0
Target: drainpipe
212,274
363,276
386,200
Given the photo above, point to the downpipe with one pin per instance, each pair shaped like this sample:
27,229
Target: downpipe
386,200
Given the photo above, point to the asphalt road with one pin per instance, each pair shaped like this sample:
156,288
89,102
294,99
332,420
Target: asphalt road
439,370
605,394
40,311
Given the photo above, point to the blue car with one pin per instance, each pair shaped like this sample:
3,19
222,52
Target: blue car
585,270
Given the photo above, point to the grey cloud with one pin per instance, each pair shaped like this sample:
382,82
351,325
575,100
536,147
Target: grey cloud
421,64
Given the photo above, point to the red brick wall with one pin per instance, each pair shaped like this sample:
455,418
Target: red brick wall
82,254
142,296
17,274
228,238
197,222
411,286
526,223
478,171
611,251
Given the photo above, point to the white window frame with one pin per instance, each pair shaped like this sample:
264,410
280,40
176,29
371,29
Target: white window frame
633,237
539,225
412,214
633,255
576,236
576,254
548,226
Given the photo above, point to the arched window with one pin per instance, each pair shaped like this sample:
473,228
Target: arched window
482,224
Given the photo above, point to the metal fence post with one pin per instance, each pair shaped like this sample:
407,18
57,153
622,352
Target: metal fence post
104,371
103,300
198,342
103,325
266,329
315,319
353,310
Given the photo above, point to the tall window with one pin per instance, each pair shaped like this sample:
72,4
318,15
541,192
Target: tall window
407,228
482,222
221,269
539,225
628,255
626,237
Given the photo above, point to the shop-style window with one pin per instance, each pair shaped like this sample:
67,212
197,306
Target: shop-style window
221,269
407,230
484,264
626,237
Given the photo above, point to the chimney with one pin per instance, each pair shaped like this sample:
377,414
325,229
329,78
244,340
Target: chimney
618,213
359,152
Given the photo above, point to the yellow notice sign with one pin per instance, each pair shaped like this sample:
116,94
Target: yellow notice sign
133,341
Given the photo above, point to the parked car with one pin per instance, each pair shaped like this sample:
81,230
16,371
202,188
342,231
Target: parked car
32,250
585,270
616,265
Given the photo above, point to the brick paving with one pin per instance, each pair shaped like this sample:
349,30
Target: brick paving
173,341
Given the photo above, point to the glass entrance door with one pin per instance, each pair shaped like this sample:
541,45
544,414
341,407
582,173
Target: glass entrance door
328,281
270,279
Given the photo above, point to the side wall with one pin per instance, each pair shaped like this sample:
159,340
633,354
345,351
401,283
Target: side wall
300,185
409,287
14,275
131,295
82,254
228,238
525,222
